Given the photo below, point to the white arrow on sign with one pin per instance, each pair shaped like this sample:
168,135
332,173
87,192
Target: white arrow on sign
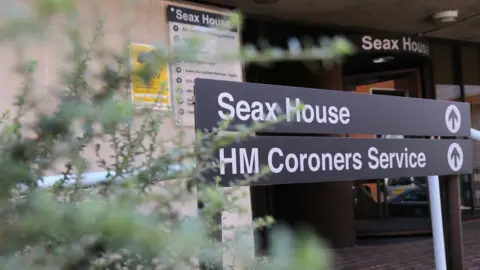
455,157
453,119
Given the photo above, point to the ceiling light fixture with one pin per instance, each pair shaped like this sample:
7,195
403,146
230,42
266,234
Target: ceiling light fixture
446,16
384,59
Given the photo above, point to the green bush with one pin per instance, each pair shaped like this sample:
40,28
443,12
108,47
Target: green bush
70,226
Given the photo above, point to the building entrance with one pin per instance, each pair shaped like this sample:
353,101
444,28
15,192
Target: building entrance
340,211
390,207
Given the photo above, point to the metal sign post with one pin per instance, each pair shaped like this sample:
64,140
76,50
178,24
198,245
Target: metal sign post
437,222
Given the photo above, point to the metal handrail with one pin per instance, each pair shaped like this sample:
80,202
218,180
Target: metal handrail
475,134
91,179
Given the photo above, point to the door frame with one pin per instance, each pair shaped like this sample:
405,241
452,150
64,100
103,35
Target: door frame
415,71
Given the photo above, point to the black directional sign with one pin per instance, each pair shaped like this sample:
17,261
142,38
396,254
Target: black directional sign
319,159
326,111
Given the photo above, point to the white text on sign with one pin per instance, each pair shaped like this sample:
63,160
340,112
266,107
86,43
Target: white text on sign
201,18
394,44
246,160
267,111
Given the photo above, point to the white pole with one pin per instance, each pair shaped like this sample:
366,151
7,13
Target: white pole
437,223
436,214
475,134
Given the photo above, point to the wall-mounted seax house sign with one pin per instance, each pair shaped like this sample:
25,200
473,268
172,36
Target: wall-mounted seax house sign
391,44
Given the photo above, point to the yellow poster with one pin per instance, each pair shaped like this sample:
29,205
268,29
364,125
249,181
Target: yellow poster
154,92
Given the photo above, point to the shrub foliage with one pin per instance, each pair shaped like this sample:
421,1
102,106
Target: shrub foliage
71,224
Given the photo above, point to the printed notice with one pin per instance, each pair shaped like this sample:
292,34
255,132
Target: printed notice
216,38
152,93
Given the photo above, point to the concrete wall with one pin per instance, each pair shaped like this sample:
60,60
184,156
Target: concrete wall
144,23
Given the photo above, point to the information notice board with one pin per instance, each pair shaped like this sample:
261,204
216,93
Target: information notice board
185,23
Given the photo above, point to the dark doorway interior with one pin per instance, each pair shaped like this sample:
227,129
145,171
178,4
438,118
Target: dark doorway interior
371,63
329,208
315,205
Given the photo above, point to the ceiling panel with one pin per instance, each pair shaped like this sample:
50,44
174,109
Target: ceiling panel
468,30
404,16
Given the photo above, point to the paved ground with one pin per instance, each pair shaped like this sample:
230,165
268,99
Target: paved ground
406,253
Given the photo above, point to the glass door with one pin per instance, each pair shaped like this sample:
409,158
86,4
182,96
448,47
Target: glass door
392,206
